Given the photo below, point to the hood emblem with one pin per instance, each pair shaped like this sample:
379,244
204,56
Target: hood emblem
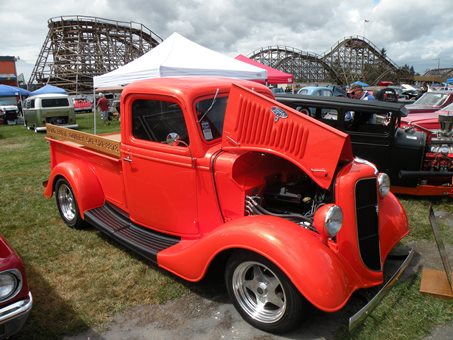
278,113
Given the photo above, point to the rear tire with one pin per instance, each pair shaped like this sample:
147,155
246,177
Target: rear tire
67,204
262,293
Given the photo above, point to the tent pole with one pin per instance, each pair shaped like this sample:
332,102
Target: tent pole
94,110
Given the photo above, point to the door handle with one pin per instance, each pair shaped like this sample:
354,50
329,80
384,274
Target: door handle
127,158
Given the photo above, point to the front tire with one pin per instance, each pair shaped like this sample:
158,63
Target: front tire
262,293
67,204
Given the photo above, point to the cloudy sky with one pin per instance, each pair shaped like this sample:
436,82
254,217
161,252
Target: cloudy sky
416,32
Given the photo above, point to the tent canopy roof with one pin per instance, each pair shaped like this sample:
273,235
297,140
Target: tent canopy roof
9,91
274,76
49,89
177,56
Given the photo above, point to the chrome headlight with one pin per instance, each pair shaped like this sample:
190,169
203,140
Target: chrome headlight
334,220
9,284
328,220
384,184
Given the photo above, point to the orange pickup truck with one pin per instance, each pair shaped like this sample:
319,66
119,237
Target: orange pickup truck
212,172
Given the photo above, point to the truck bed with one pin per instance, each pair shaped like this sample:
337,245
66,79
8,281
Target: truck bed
102,153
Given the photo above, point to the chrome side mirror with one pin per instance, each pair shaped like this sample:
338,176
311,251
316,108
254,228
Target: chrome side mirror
174,139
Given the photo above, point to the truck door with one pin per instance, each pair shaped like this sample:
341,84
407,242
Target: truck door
160,178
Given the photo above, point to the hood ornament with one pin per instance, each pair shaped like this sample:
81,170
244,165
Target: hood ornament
278,113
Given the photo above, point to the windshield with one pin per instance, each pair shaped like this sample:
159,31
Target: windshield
449,107
211,122
8,101
432,98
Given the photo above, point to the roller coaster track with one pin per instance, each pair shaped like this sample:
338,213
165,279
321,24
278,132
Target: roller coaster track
353,58
77,48
304,66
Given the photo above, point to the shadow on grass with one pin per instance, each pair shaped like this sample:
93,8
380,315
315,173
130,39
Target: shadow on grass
48,306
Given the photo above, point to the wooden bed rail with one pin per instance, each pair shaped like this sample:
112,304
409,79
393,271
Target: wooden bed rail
88,140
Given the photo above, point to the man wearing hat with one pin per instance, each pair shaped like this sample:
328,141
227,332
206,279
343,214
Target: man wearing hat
357,92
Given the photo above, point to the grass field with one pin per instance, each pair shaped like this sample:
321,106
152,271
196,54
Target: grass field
80,279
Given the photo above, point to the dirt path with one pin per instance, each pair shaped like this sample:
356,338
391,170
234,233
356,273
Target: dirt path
207,314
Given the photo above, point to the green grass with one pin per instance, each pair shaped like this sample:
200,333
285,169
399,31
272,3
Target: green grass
80,279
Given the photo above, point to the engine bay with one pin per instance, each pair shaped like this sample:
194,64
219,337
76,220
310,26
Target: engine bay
284,191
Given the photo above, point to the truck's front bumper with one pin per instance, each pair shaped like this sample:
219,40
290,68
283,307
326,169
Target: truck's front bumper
13,316
358,317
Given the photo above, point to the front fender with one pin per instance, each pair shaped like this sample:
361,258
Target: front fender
83,181
315,269
393,223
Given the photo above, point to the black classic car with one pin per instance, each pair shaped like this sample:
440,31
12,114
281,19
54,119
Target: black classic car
418,163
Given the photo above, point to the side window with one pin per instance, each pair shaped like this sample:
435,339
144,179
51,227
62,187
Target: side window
153,120
329,114
210,116
30,104
366,122
325,93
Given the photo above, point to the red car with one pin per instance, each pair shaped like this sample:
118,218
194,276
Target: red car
427,121
82,105
430,102
15,298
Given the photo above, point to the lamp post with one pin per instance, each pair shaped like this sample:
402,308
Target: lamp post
365,21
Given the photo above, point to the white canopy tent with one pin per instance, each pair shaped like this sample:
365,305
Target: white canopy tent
177,56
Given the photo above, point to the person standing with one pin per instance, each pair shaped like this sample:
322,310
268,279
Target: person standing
357,92
103,106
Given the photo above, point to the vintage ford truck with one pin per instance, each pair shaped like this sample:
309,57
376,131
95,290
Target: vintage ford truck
214,173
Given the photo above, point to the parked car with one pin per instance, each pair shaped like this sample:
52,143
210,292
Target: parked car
8,110
410,94
44,109
417,163
329,91
430,102
427,122
382,93
15,298
82,104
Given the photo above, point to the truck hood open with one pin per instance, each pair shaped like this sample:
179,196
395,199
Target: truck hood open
256,123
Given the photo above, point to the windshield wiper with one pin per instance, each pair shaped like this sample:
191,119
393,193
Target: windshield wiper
210,107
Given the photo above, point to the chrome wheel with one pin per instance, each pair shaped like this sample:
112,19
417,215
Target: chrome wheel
66,202
259,292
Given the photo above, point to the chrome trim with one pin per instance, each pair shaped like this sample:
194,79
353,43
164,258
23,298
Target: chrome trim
16,309
360,316
18,276
363,161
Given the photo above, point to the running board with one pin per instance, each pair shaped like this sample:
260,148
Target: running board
117,225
